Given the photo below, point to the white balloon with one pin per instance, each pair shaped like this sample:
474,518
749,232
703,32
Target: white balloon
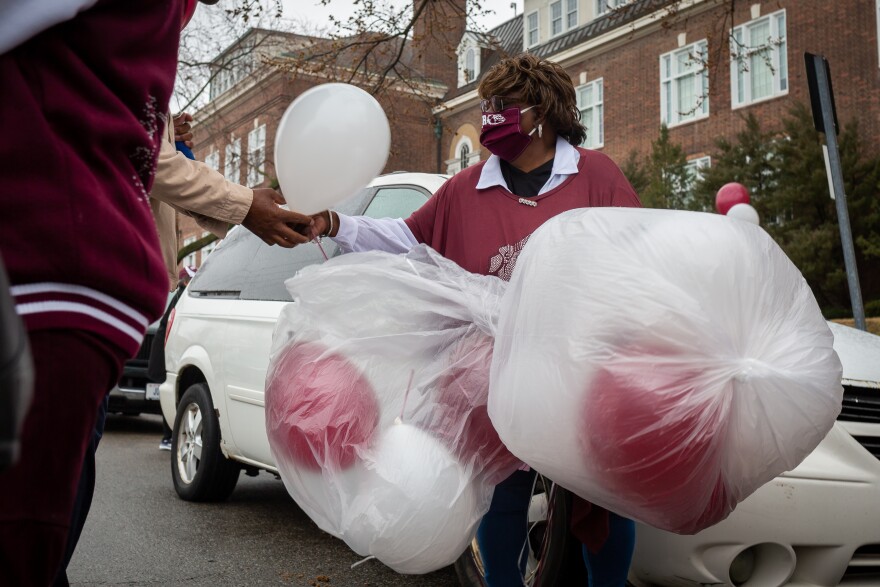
415,511
744,212
331,142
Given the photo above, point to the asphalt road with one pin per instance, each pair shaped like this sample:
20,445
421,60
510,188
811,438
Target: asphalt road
140,533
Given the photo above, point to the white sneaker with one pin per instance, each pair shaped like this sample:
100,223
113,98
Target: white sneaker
165,444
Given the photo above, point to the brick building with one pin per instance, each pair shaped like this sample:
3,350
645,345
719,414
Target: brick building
697,66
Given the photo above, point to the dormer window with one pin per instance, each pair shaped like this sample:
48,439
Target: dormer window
468,59
532,29
605,6
470,71
563,16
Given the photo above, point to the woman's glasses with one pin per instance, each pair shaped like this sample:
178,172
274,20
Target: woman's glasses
498,103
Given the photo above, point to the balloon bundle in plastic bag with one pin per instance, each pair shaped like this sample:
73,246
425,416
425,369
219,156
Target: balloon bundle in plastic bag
661,364
376,404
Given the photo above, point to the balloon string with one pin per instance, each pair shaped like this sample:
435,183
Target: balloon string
318,242
406,395
362,561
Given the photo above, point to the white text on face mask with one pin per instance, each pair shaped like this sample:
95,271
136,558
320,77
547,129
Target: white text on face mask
493,119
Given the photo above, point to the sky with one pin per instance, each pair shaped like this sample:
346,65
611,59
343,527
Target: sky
314,13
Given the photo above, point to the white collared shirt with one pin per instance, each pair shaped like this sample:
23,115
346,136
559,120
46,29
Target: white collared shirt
392,235
565,163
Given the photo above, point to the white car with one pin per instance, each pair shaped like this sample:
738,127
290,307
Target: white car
815,525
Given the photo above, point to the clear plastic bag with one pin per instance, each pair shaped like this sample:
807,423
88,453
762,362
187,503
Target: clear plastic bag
376,404
661,364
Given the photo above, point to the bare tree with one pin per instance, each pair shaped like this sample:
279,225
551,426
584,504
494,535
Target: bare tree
209,56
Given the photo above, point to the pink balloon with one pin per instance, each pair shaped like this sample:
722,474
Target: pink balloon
461,420
655,440
320,409
730,195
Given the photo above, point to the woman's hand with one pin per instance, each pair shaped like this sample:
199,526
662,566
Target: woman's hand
325,223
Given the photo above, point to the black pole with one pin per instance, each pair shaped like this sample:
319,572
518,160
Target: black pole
825,121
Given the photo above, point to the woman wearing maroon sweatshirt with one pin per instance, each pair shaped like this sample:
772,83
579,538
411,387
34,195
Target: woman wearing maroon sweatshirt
481,219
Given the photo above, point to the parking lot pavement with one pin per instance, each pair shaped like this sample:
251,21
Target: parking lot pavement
140,533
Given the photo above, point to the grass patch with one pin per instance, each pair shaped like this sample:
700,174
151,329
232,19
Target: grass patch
873,323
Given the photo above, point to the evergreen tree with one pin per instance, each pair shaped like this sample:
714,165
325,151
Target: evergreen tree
785,175
635,172
668,181
747,160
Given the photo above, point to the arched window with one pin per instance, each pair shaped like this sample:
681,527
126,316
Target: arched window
464,154
470,72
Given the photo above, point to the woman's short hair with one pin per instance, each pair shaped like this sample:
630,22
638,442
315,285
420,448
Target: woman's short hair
542,83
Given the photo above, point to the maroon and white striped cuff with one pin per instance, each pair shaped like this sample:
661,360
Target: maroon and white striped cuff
63,305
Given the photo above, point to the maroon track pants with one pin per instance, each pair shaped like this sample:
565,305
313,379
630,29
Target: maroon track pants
74,369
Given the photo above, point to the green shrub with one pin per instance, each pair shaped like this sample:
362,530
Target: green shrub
872,308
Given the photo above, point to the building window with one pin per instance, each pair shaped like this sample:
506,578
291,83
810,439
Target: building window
463,155
232,165
213,160
256,156
208,248
759,62
571,13
684,84
694,171
468,60
555,18
560,22
603,6
590,103
189,260
470,68
532,29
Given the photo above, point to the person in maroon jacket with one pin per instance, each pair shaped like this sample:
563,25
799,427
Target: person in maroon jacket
81,116
481,219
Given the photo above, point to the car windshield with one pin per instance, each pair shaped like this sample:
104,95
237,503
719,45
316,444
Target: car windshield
244,267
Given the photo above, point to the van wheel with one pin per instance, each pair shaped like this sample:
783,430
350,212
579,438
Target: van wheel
198,468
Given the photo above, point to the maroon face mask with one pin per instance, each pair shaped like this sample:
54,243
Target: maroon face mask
501,133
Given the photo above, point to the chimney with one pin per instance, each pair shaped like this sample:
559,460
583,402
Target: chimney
437,31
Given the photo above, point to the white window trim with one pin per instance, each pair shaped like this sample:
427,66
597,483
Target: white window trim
734,62
551,19
589,124
576,12
212,159
698,163
233,147
702,77
537,29
602,7
694,169
563,17
255,175
453,166
468,43
190,259
208,248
